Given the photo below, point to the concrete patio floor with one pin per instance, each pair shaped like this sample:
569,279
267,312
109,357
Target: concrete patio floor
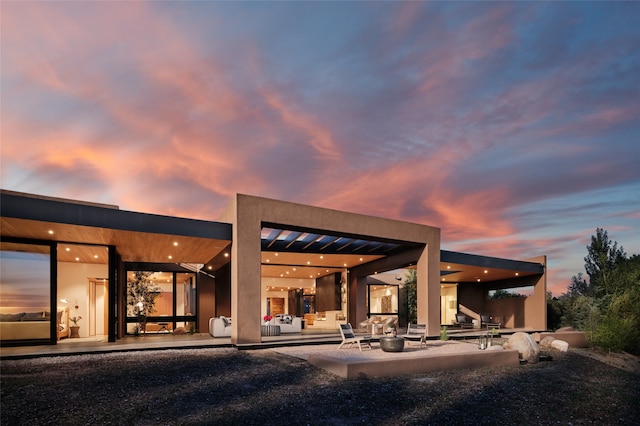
351,363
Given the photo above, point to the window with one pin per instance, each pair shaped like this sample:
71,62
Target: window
382,299
161,301
25,291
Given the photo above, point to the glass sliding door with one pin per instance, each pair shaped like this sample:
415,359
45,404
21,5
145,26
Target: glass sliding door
25,292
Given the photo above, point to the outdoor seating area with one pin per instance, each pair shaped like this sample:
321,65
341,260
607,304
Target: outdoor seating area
434,355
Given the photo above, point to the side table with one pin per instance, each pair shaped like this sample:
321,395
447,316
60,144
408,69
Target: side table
392,344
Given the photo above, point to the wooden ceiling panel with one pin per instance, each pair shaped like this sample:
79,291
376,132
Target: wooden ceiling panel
132,246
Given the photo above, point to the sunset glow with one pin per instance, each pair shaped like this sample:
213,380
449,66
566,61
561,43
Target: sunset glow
512,126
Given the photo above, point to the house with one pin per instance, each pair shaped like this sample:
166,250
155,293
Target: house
263,257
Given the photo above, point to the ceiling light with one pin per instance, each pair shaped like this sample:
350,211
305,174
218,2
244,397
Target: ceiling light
478,279
175,244
95,256
486,272
68,249
308,262
77,259
267,260
210,267
50,231
517,274
448,266
361,259
170,257
321,257
226,255
276,254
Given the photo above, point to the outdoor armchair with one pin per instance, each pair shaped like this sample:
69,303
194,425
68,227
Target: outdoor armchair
487,319
416,333
349,337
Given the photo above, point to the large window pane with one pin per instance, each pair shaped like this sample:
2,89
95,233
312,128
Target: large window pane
25,291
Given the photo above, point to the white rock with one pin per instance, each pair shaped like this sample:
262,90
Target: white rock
560,345
546,342
525,345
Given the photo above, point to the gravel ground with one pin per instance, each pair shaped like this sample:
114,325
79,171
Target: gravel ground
266,387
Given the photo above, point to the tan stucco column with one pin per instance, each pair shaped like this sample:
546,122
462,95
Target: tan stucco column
428,287
535,308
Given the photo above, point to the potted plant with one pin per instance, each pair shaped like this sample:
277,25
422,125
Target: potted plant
392,329
75,328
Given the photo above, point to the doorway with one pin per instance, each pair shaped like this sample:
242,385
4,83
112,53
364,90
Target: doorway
98,306
448,303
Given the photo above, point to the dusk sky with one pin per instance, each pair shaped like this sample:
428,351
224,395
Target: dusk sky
512,126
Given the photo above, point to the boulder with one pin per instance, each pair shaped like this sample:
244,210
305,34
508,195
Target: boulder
560,345
495,348
565,329
180,330
546,341
525,345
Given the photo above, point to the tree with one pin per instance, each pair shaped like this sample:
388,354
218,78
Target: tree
603,256
554,312
578,286
411,283
141,297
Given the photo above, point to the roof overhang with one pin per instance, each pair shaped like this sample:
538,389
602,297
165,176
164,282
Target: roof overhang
138,237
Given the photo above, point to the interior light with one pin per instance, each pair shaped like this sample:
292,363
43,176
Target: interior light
210,267
308,262
226,255
517,274
267,260
170,257
361,259
448,266
68,249
175,244
95,256
321,257
276,254
77,259
478,279
50,231
486,272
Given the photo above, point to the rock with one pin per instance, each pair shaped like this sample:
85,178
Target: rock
495,348
546,342
180,330
525,345
565,329
560,345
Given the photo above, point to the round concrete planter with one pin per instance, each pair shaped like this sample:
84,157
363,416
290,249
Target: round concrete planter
392,344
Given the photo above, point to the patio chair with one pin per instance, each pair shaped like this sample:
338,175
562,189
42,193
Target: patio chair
416,333
487,319
349,337
462,321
